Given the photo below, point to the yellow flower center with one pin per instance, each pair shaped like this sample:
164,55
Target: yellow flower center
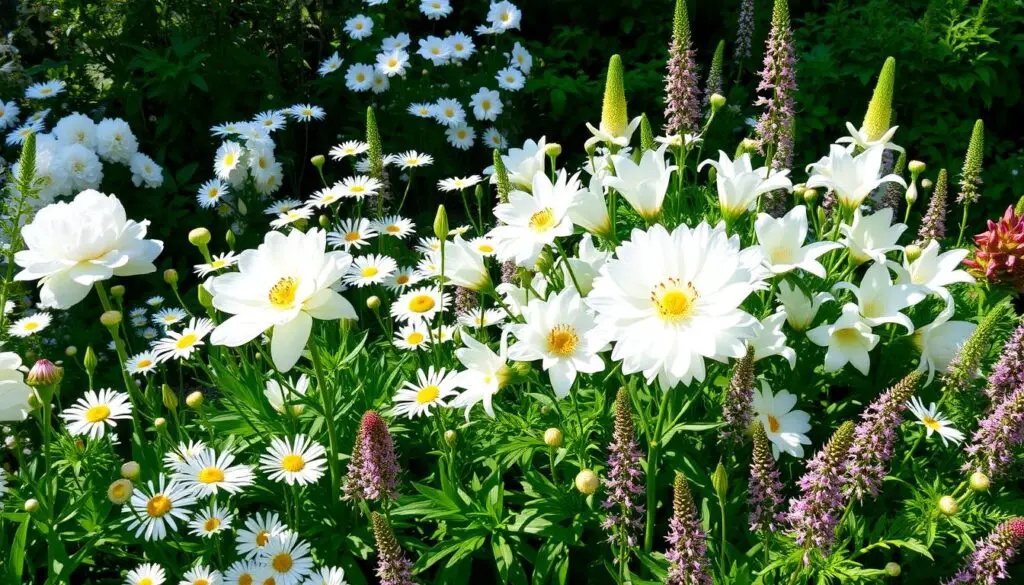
262,538
428,394
392,62
46,91
78,166
360,77
931,423
211,475
421,303
157,506
435,51
461,134
31,326
282,294
402,279
229,159
415,338
562,340
143,364
392,229
352,236
98,413
773,424
847,335
458,47
485,249
674,302
486,105
282,562
293,463
186,341
200,581
269,581
369,271
145,581
543,220
211,524
245,579
357,188
213,193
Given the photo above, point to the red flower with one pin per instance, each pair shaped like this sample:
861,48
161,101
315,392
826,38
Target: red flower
1000,252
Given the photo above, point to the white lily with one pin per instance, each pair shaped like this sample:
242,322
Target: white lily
848,340
860,139
799,308
781,241
769,339
608,137
739,184
642,185
869,237
939,342
934,270
589,209
853,178
879,300
586,265
464,265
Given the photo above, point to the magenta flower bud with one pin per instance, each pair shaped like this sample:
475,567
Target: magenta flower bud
373,469
44,373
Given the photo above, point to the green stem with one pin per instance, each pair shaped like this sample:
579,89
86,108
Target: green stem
568,267
654,453
327,400
963,225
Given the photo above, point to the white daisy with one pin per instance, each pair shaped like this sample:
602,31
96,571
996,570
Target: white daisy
44,90
159,509
430,390
401,278
369,269
291,216
176,457
227,159
346,149
201,575
784,426
146,574
138,312
449,112
282,206
210,521
359,186
399,41
510,78
483,245
19,135
412,336
478,320
270,120
532,221
486,104
94,412
458,183
494,138
419,304
206,473
301,461
330,65
211,192
461,136
326,196
460,45
287,558
934,422
412,159
392,62
306,112
30,325
521,58
181,344
428,245
394,225
243,573
359,77
327,576
218,262
435,9
169,316
421,110
149,333
155,301
259,529
141,363
359,27
354,233
380,82
434,49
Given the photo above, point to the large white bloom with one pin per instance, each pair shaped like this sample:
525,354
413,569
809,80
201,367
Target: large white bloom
523,163
669,300
848,340
739,184
853,178
464,265
14,393
559,332
933,270
71,246
283,284
642,185
530,222
879,300
782,243
939,342
869,237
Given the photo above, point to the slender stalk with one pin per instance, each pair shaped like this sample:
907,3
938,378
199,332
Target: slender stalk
653,454
568,267
327,400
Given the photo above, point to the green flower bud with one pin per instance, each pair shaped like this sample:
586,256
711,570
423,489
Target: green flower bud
450,437
194,400
879,115
373,303
927,184
441,223
948,505
171,276
317,161
912,252
90,361
117,291
646,135
159,423
229,238
199,237
893,569
980,482
204,296
717,101
911,194
71,351
31,505
323,220
553,149
111,318
614,118
130,470
916,167
720,481
169,397
810,197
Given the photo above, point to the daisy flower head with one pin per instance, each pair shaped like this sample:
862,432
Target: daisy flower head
301,461
393,62
359,186
330,65
421,110
934,422
359,27
254,537
369,269
83,167
348,148
94,412
146,574
169,316
399,41
327,576
149,333
44,90
434,49
225,129
667,313
394,225
206,473
411,159
521,58
401,278
511,79
30,325
420,304
449,112
354,233
486,104
479,320
359,77
211,192
181,344
270,120
429,266
431,388
486,372
227,159
291,216
138,312
461,136
141,363
326,196
210,521
216,263
412,336
461,46
784,426
306,112
155,301
139,321
39,116
159,509
495,139
435,9
19,135
244,572
201,575
504,16
380,82
8,113
287,558
282,206
531,221
428,245
458,183
175,458
483,246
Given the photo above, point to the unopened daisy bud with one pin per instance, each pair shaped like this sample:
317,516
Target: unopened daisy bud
317,161
879,114
948,505
911,194
587,482
120,491
89,361
717,101
194,400
916,167
893,569
553,438
44,373
913,252
520,369
441,223
71,351
111,318
159,422
130,470
810,196
373,303
229,239
171,276
204,296
31,505
199,237
614,118
450,437
169,397
720,481
323,220
117,291
980,482
553,149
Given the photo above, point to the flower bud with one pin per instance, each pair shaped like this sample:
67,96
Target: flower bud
229,238
317,161
450,437
169,397
89,361
130,470
590,147
204,296
916,167
948,505
553,149
911,194
821,216
31,505
199,237
441,223
720,481
373,303
587,482
120,491
912,252
117,291
927,184
111,318
521,368
171,276
323,220
553,438
810,196
159,422
980,482
745,146
71,351
44,373
893,569
194,400
717,101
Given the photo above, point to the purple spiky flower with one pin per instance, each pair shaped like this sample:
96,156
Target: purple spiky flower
625,477
764,496
373,469
992,447
778,86
682,88
393,568
992,554
688,552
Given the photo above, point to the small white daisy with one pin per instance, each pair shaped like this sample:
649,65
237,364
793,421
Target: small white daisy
155,301
201,575
330,64
306,112
292,216
149,333
394,225
495,139
30,325
430,390
369,269
511,79
302,461
449,112
211,192
176,458
412,336
141,363
421,110
326,196
218,262
359,27
359,186
359,77
327,576
180,345
159,509
210,521
138,312
419,304
44,90
287,558
146,574
483,245
461,136
478,320
354,233
259,529
207,473
934,422
458,183
282,206
169,316
346,149
94,412
428,245
139,321
412,159
399,41
271,120
401,278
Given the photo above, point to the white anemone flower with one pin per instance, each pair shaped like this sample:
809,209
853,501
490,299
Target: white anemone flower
853,178
523,163
848,340
769,339
934,422
740,184
800,308
530,222
786,428
560,332
642,185
782,243
669,300
486,372
71,246
589,209
939,342
880,301
283,284
869,237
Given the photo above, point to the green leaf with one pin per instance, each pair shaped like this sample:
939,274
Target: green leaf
17,562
